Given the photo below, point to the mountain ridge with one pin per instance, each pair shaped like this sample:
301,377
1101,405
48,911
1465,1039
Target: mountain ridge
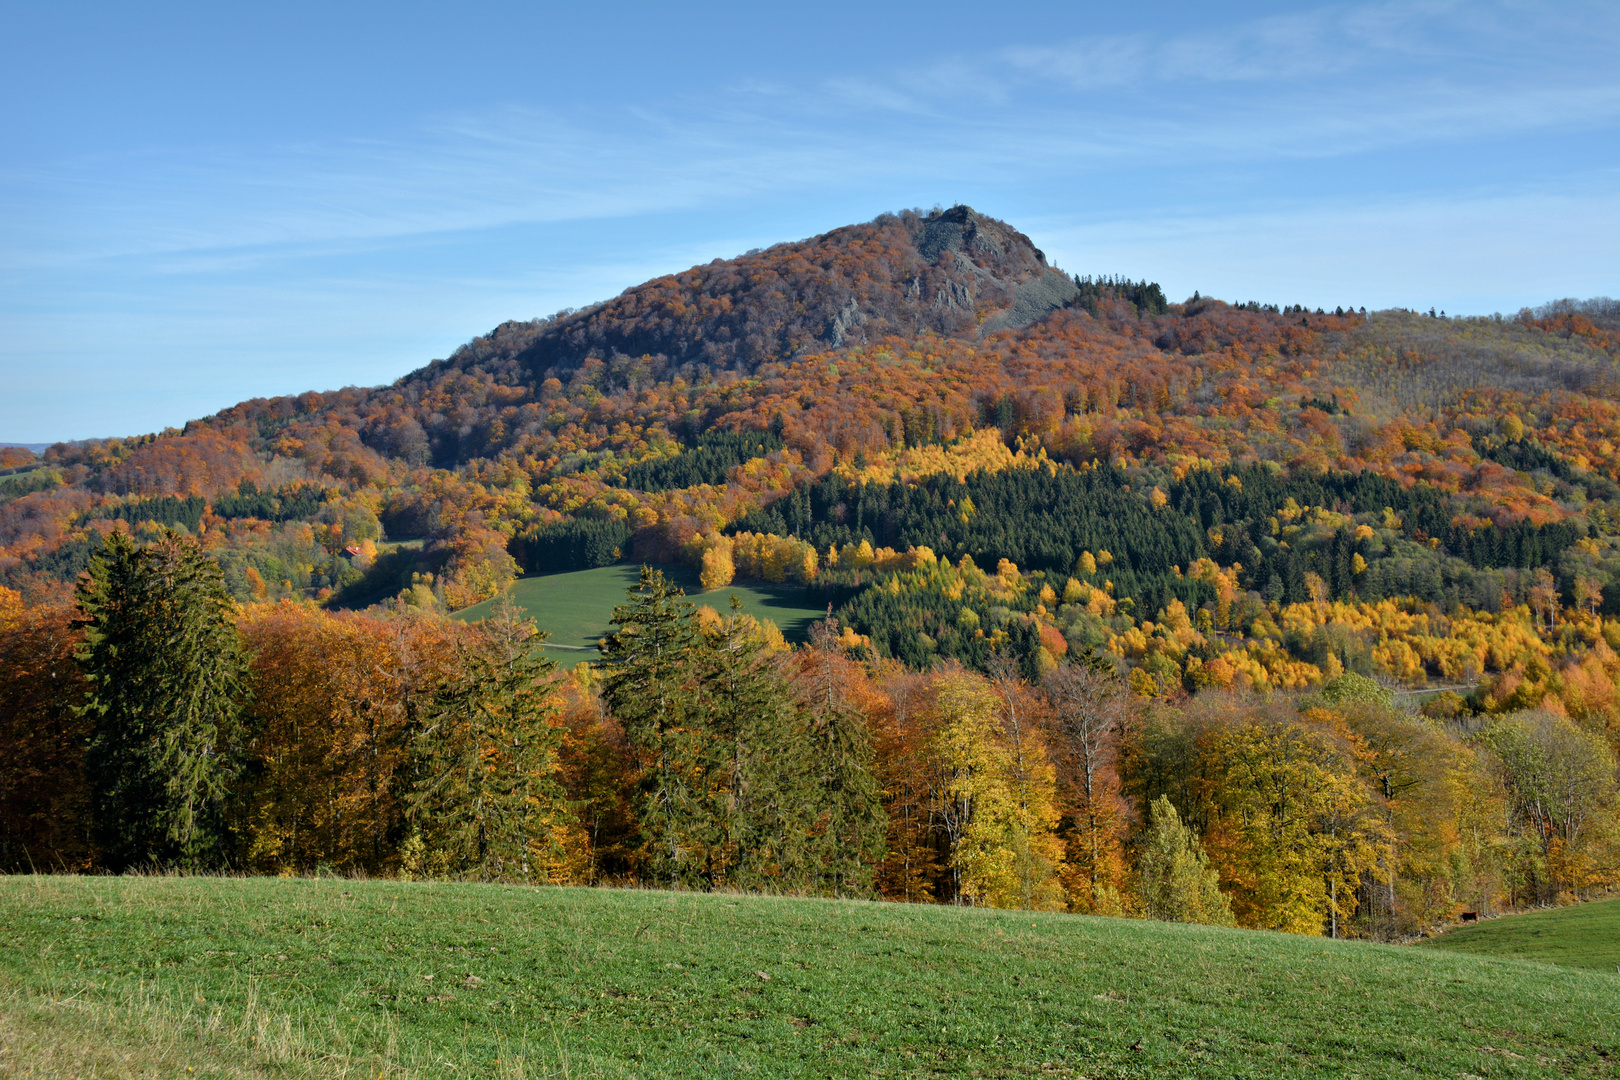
890,370
955,272
1244,532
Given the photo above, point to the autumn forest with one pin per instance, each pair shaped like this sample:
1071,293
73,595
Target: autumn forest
1214,611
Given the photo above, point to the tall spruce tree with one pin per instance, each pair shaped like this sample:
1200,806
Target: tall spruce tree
487,802
848,842
651,687
166,674
764,798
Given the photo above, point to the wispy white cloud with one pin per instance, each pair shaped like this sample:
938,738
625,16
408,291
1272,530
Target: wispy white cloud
1332,81
1331,41
1357,79
459,173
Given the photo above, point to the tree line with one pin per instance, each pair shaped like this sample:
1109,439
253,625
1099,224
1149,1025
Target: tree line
580,544
1333,536
1147,297
153,723
708,462
161,510
288,503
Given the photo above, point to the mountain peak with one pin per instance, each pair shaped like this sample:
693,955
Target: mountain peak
954,272
961,228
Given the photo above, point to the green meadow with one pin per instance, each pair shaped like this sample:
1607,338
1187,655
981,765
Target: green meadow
169,976
1581,936
575,607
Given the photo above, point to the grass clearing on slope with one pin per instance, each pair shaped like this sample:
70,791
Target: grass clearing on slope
575,607
333,977
1581,936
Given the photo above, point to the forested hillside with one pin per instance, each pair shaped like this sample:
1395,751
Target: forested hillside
996,475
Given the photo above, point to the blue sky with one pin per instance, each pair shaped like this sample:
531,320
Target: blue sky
205,203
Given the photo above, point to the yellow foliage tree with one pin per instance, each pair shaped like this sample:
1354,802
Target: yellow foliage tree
1008,855
718,569
1293,828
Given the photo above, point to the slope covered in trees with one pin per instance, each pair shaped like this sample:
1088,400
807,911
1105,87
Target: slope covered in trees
996,476
954,273
706,753
921,382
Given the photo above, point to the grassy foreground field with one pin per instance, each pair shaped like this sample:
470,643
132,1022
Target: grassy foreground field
259,977
1582,936
575,607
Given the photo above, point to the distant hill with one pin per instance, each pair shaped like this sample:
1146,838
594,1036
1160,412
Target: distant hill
954,273
832,414
1220,552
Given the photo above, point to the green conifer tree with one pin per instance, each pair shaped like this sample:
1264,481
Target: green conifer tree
166,674
650,685
487,801
763,800
848,841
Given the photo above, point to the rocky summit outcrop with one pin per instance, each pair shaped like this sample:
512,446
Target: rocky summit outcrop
952,272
